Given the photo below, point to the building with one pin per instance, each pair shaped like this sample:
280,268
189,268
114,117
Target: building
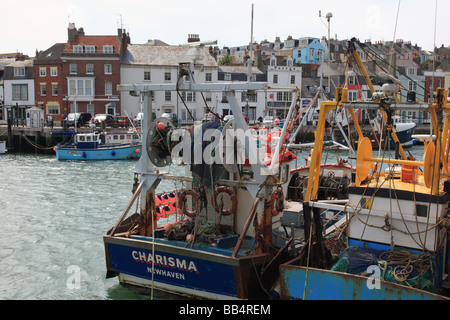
252,103
309,51
18,87
50,86
146,63
280,78
91,69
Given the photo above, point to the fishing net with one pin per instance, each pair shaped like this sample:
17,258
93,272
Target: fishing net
397,266
205,178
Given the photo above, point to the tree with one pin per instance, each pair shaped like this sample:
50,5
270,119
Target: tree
226,59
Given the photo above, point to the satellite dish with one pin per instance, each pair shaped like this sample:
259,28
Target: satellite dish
158,142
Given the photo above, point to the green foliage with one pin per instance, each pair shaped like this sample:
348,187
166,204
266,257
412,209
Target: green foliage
226,59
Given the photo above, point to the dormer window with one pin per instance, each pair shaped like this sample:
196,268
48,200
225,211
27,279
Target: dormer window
78,49
273,62
411,71
108,49
90,49
19,72
290,62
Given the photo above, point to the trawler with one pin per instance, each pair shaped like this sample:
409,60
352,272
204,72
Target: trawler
394,243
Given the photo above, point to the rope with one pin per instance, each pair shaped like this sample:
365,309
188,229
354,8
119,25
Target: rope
35,144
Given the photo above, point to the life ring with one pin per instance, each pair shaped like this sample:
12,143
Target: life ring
182,202
230,192
277,202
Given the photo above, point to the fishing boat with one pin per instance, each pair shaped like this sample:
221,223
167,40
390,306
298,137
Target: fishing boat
394,242
218,243
100,146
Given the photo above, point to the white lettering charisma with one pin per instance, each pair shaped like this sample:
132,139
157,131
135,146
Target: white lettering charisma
164,261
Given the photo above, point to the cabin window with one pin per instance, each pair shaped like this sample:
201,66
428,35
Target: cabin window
421,210
88,138
116,137
81,138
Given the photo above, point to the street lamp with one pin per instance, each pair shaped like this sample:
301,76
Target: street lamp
329,16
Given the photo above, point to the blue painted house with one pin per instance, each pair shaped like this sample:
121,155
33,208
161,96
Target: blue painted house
309,51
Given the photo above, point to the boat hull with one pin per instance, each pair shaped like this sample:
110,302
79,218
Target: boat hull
198,272
297,282
128,152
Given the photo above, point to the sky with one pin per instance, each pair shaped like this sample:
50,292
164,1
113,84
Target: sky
43,23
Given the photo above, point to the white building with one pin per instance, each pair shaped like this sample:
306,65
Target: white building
281,79
152,64
18,88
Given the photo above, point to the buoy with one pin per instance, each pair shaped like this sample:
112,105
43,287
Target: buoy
113,153
83,154
160,126
189,237
137,150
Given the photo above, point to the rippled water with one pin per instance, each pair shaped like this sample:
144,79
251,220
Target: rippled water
53,216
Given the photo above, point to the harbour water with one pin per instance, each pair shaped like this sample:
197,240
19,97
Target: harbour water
53,217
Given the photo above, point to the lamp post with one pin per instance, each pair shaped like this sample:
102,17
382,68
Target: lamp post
329,16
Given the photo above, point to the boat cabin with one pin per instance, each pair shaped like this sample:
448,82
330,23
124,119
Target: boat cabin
122,138
87,140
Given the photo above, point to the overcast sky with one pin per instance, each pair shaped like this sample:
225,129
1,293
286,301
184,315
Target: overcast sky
29,24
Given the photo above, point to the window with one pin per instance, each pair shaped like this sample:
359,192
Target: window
78,49
412,85
252,97
52,109
89,68
292,79
299,54
167,76
43,89
284,96
311,52
188,96
290,62
351,79
273,62
88,87
108,88
275,78
352,95
42,72
108,49
108,68
53,72
90,49
227,76
54,89
411,71
421,210
20,92
147,76
19,72
168,95
80,87
208,96
208,76
73,68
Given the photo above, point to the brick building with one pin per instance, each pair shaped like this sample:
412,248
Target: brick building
80,75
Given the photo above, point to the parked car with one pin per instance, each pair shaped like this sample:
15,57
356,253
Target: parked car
107,119
80,118
172,117
210,117
140,117
228,117
268,120
123,121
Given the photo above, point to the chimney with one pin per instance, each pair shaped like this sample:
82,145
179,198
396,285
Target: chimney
193,38
73,32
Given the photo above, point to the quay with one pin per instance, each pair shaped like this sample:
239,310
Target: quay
41,140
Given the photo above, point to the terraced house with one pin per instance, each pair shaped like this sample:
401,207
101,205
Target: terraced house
80,75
